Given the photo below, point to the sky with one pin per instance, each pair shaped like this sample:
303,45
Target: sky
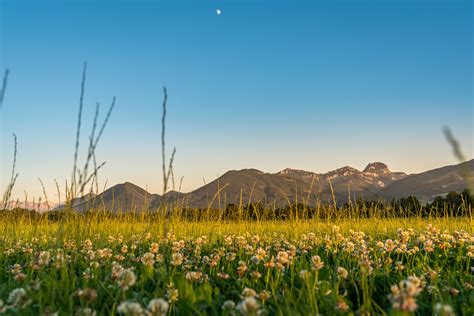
313,85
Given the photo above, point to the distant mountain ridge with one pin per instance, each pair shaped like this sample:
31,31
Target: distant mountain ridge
242,187
427,185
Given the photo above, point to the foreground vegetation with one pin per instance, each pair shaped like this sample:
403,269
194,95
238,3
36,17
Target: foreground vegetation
366,258
128,265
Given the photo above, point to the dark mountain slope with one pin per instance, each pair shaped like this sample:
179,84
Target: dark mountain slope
429,184
125,197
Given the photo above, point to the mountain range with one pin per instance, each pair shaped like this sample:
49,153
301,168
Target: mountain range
241,187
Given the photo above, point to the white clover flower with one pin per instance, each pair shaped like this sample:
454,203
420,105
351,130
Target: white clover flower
228,305
242,268
154,247
404,294
148,259
249,307
342,273
318,264
130,309
126,279
283,257
85,311
192,276
305,274
443,310
43,258
176,259
158,307
248,292
264,295
19,298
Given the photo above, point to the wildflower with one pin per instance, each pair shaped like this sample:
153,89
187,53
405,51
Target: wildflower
404,294
215,260
223,275
86,311
349,247
228,240
176,259
248,250
201,240
443,310
193,276
148,259
87,274
318,264
470,251
283,257
228,305
249,307
17,272
105,253
389,245
19,298
43,258
126,279
230,256
91,255
256,275
242,268
305,274
87,295
206,259
154,247
173,295
270,264
428,246
260,254
130,309
264,295
248,292
16,269
124,249
453,291
116,270
342,273
399,266
34,286
158,307
87,244
341,305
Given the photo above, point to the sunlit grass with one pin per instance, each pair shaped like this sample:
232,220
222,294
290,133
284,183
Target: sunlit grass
104,265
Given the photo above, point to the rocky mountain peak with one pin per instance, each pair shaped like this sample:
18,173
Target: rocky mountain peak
286,171
377,168
342,172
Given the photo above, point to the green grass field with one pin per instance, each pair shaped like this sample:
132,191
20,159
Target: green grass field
131,266
141,264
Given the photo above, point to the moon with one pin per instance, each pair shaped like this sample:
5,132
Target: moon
218,11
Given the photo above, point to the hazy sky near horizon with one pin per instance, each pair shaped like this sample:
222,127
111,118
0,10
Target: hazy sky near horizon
312,85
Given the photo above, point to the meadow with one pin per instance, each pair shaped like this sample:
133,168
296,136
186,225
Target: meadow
163,263
134,265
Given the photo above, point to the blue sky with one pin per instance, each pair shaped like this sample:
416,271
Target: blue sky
312,85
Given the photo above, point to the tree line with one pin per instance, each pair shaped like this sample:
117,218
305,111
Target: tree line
453,204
